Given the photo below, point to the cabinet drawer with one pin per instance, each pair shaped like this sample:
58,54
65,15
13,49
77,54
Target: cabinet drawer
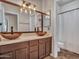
33,48
34,55
33,43
41,41
12,47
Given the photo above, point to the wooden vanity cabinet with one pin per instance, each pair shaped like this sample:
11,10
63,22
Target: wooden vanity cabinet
34,49
41,48
14,51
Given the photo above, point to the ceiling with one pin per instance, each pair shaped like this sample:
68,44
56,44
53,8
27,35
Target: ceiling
62,2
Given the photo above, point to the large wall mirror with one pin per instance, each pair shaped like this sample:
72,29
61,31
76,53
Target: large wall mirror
20,21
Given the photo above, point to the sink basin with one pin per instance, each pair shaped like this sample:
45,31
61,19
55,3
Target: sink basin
41,33
11,36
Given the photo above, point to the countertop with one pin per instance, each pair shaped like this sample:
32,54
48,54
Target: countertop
24,37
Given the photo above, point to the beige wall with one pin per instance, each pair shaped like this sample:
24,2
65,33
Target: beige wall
46,5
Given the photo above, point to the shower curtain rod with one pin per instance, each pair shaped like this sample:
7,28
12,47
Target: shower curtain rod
68,11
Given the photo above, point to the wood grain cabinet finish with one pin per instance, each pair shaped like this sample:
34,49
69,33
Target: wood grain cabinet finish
41,48
16,51
35,49
22,53
7,56
48,46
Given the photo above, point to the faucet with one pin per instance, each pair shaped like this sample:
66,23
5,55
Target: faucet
11,29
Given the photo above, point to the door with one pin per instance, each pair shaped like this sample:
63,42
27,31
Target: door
22,54
41,48
48,46
34,49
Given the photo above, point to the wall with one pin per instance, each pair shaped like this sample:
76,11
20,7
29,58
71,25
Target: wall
46,5
70,6
58,8
50,5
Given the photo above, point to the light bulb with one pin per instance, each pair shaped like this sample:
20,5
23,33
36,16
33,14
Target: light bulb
24,5
48,13
34,9
25,11
30,12
21,10
29,7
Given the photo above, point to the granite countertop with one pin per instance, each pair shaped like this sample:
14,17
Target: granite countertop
23,37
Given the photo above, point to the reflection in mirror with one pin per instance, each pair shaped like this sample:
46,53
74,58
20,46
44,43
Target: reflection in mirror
10,21
32,19
46,22
24,22
1,21
21,21
38,21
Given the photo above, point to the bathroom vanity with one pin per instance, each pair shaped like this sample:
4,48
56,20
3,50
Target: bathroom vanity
26,47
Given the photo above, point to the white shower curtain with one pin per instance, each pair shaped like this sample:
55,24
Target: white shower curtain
69,30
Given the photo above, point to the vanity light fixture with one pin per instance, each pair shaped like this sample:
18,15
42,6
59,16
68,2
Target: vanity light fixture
27,7
48,12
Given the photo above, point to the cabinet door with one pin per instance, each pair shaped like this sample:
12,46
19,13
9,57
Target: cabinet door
34,55
7,56
34,49
48,46
41,48
22,54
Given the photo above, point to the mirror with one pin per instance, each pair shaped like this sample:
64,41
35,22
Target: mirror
11,21
21,21
46,23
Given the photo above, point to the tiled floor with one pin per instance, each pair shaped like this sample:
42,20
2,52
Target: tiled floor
64,54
